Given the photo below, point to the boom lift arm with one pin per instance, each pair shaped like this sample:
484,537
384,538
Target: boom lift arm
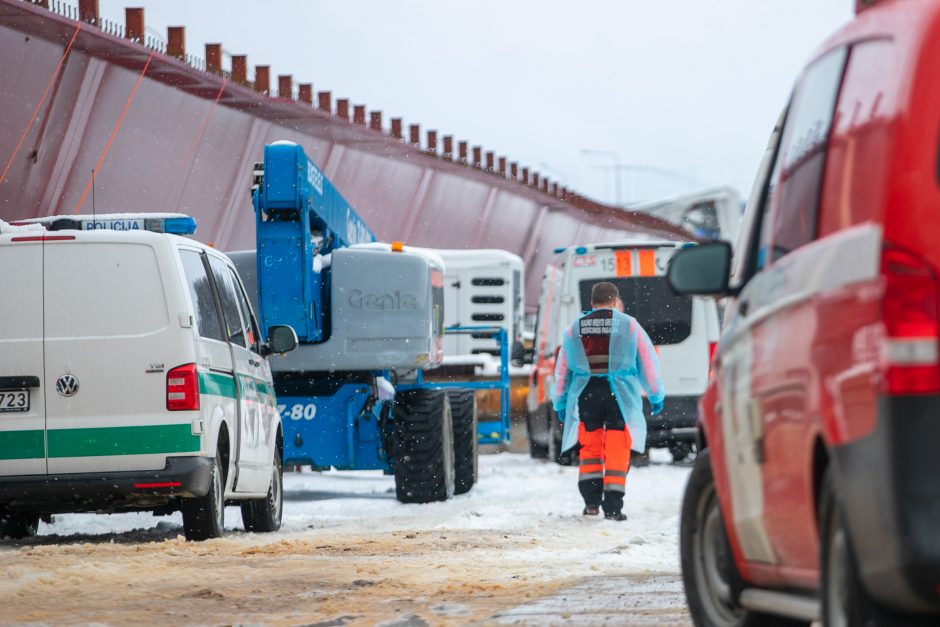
300,219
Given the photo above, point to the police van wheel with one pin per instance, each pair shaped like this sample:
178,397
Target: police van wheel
204,517
264,515
18,525
463,409
424,448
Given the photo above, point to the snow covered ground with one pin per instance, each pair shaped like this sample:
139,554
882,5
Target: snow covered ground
501,552
514,493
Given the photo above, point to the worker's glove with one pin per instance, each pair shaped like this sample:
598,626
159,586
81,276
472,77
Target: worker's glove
656,407
561,415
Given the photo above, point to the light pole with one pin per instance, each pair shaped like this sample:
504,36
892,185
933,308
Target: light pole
689,183
561,175
615,156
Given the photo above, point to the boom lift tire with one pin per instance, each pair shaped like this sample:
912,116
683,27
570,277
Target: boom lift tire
463,409
264,515
18,525
424,446
204,517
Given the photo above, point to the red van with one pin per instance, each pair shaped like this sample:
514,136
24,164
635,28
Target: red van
817,490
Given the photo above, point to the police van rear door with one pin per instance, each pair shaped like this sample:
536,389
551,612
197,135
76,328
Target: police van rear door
22,406
110,340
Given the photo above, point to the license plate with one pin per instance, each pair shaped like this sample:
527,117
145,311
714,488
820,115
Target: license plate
14,400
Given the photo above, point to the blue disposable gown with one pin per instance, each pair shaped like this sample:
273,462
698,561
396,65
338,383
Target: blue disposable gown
633,369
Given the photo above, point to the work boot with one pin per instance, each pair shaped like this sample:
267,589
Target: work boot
618,516
591,510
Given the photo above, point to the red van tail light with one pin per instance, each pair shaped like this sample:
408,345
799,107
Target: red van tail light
182,388
912,323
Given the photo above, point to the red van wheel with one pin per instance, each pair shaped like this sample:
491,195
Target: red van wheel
709,573
844,601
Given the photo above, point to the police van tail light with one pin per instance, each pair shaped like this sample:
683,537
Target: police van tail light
182,388
912,323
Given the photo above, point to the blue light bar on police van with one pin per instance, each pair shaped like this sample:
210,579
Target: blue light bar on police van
175,223
183,225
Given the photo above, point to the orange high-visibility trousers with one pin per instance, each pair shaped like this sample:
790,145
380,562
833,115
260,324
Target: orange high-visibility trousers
605,448
605,462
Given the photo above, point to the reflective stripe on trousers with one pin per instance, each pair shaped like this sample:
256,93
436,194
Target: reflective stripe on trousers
604,463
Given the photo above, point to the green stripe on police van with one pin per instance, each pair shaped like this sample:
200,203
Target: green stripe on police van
259,384
217,384
27,444
264,388
103,441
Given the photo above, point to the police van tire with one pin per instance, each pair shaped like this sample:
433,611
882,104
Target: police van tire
18,525
204,517
463,410
710,576
264,515
424,448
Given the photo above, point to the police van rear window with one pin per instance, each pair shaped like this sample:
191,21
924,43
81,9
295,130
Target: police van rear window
96,289
666,317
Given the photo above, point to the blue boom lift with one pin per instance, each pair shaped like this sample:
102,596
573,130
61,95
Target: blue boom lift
369,318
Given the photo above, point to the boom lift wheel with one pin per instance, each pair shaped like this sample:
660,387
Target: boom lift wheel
463,409
424,446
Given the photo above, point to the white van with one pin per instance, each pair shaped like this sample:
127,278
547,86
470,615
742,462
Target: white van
132,377
684,330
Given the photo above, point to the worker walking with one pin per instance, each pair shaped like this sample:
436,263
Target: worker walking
606,360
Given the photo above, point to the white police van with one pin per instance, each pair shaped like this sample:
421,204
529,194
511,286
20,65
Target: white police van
132,377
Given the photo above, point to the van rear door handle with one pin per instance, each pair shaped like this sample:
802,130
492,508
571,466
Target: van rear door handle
18,383
742,308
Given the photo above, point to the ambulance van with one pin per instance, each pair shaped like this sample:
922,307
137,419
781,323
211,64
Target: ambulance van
132,377
683,329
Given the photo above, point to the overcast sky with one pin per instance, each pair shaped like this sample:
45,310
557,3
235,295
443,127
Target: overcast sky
686,89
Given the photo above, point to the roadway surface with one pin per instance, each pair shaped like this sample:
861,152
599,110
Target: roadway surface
515,550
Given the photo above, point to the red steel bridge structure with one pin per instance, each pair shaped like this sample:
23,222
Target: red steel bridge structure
93,112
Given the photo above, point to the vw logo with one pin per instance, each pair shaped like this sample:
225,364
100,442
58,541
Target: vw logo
67,385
